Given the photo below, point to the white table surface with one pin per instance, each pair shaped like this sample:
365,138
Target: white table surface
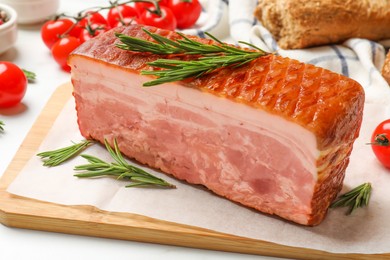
31,54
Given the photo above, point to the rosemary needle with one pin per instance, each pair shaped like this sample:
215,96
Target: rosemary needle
356,198
58,156
1,126
209,56
120,168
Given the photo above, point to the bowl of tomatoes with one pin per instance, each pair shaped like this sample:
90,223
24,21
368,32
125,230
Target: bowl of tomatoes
8,27
33,11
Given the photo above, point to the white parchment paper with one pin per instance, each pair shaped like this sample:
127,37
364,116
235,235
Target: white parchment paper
365,231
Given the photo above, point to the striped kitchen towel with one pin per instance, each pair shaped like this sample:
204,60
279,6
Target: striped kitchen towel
213,19
360,59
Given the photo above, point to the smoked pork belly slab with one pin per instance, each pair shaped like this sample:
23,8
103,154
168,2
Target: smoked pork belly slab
274,135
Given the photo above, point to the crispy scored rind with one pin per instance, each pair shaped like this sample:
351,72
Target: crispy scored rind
327,104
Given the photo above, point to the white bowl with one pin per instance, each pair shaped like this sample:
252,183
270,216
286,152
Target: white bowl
33,11
8,30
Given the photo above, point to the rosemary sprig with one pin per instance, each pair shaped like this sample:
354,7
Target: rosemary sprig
2,126
212,56
120,168
58,156
356,198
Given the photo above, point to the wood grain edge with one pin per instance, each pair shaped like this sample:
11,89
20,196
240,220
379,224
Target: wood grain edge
85,220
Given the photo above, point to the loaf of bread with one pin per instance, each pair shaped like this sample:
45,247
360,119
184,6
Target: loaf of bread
386,68
301,23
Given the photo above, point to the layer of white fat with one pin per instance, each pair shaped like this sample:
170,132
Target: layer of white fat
301,141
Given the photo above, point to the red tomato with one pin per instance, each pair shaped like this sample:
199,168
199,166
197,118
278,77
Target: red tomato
62,49
166,20
52,30
90,17
75,32
126,21
380,142
119,13
142,6
91,31
186,12
13,84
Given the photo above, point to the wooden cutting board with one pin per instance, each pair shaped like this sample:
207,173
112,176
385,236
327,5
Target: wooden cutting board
28,213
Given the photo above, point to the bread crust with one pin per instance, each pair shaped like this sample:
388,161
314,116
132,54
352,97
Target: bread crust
300,23
386,68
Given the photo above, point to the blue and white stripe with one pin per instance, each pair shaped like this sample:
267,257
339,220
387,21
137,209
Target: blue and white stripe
213,12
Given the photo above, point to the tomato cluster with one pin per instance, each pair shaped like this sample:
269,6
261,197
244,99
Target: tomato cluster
63,35
173,14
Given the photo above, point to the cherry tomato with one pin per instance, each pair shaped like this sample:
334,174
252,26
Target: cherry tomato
119,13
62,49
186,12
90,18
142,6
13,84
53,29
93,17
91,31
126,21
163,2
380,142
165,20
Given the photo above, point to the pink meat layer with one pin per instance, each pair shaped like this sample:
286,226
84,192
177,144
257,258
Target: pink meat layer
230,158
